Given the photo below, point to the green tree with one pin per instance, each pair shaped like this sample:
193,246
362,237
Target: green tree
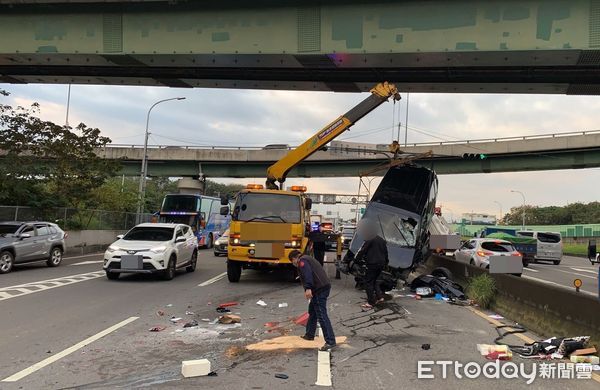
44,164
219,189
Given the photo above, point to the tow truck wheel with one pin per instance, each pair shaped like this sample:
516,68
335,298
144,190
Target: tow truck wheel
234,271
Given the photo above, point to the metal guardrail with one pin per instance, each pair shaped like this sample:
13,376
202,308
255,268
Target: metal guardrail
441,143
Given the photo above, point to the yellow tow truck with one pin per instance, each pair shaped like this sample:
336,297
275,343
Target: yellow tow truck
268,223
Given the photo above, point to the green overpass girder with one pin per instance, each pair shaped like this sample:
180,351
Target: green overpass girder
535,46
265,27
496,163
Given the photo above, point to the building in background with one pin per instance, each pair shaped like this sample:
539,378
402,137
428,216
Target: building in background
478,219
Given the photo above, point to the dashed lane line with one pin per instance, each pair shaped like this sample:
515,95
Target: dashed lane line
43,285
38,366
213,280
87,262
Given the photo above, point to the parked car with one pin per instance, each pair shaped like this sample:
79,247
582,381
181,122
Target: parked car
152,248
347,234
479,250
220,247
26,242
549,245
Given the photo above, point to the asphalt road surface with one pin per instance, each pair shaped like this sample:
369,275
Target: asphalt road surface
565,273
70,327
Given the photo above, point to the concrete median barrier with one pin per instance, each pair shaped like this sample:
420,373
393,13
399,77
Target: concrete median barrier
81,242
543,308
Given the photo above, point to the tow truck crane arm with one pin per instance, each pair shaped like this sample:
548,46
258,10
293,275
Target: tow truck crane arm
278,171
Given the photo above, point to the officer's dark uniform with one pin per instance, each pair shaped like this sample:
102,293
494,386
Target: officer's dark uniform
318,239
314,278
376,258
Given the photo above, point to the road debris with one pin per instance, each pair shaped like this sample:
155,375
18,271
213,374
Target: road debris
585,359
193,368
190,313
158,328
261,303
440,285
160,313
205,319
272,324
190,324
301,319
229,304
170,305
175,319
425,346
284,304
495,352
585,351
212,373
281,376
230,319
223,310
290,342
496,316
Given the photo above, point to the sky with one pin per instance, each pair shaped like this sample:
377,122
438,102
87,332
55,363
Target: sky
227,117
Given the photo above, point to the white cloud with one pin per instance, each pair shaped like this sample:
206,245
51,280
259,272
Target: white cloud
257,118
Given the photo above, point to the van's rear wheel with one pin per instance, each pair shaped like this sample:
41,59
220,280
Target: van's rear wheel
556,262
234,271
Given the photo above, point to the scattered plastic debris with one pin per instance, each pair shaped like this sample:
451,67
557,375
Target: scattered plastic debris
192,368
261,303
284,304
158,328
230,319
170,305
205,319
495,352
585,359
175,319
179,330
160,313
189,313
301,319
438,297
424,291
272,324
425,346
223,310
190,324
496,316
229,304
281,376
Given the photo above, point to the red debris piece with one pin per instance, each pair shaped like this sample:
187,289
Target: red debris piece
272,324
229,304
302,319
158,328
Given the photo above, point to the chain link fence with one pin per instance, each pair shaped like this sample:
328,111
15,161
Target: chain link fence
74,219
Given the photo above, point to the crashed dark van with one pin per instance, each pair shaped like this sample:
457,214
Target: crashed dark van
401,208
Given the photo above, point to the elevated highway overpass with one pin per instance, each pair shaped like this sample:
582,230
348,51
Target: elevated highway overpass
504,46
346,159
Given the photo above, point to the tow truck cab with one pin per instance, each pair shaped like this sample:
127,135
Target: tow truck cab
266,226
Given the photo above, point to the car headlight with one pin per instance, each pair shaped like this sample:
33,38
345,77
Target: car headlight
159,249
113,248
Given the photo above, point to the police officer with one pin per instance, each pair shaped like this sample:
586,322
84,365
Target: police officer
374,249
316,288
318,239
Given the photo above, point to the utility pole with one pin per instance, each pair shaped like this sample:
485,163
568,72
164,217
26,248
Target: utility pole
144,173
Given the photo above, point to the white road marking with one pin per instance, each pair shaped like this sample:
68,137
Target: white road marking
30,370
84,256
34,287
530,269
585,270
215,279
88,262
323,369
556,284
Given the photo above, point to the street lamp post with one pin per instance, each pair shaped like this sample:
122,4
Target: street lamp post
519,192
499,204
144,172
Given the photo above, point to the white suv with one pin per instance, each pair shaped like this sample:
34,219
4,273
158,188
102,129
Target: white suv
152,248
